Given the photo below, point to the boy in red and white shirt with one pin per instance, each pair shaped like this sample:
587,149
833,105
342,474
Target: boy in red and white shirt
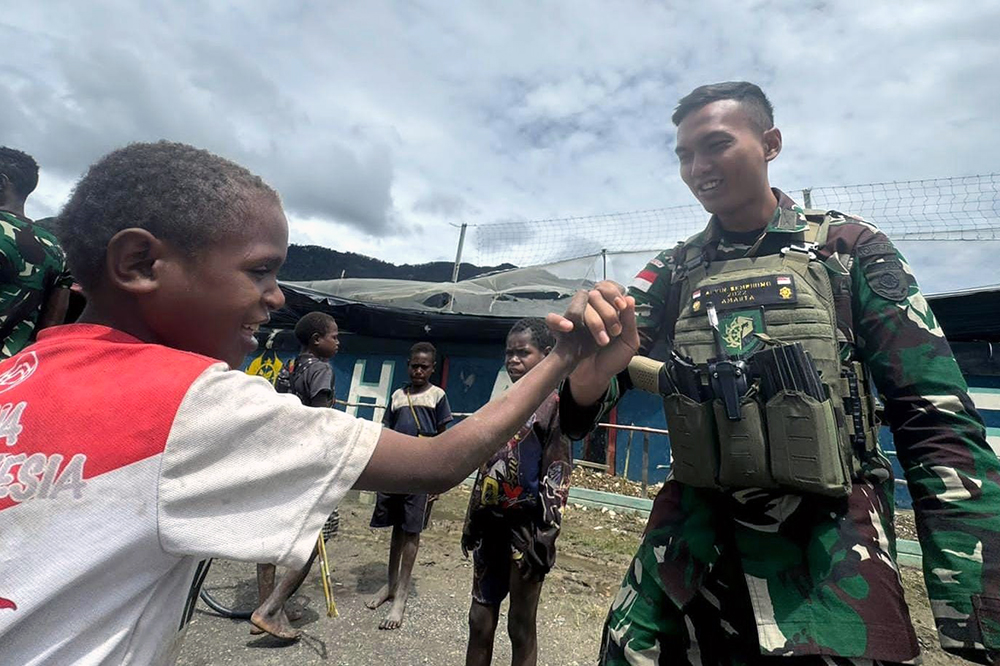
128,434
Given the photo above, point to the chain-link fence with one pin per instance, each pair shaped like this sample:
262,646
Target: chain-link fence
962,208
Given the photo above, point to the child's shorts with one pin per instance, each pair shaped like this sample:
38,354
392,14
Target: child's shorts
404,511
492,564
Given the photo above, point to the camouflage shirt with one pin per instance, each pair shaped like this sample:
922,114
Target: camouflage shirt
524,486
32,265
821,575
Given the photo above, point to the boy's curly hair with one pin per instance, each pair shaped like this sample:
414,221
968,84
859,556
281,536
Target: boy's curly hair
312,324
541,336
179,193
424,348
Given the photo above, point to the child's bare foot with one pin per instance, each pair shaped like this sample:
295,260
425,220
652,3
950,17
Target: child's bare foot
380,597
294,614
394,619
275,623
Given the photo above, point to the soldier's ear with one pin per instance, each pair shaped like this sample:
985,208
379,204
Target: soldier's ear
772,143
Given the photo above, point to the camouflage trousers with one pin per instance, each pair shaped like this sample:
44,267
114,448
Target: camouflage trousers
717,628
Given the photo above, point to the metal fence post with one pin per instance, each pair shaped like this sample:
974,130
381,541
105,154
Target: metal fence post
807,199
628,451
458,265
645,464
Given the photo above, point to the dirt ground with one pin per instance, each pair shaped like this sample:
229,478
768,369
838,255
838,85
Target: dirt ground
595,549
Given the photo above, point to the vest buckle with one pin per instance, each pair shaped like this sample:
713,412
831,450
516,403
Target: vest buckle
803,248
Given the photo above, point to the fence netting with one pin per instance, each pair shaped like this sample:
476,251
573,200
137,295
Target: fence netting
942,209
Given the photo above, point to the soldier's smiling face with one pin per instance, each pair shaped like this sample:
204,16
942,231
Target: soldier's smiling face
723,156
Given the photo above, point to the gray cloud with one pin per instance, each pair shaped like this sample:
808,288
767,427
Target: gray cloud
375,119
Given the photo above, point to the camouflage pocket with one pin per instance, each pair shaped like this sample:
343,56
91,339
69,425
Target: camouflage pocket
987,612
805,446
693,442
743,460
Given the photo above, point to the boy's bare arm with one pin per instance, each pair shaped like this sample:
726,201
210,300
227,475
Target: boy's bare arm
411,464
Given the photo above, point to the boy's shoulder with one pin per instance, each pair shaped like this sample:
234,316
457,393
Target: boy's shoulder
306,360
429,397
114,345
106,361
433,395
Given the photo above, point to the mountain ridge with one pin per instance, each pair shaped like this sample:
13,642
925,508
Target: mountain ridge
313,262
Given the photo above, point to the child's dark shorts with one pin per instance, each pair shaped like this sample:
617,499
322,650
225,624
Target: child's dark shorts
404,511
492,564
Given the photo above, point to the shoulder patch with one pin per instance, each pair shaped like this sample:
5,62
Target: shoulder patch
886,278
875,250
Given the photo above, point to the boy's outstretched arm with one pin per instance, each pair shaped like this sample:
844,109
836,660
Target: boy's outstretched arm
593,326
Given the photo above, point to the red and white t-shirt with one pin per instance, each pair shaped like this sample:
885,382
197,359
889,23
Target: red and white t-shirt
122,465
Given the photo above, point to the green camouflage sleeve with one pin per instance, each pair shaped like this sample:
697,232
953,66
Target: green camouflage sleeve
952,474
649,288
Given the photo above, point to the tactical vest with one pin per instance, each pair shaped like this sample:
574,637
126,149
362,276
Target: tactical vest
791,441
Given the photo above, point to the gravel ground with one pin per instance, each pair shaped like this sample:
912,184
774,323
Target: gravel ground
595,549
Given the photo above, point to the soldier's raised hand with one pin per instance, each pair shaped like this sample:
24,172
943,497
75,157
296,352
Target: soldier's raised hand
598,330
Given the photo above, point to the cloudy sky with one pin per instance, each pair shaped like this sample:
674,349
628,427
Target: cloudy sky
384,124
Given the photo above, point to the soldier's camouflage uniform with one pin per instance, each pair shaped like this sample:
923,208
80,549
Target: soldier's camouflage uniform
32,265
744,576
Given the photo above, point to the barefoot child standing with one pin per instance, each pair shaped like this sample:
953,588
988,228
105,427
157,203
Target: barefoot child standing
418,409
312,382
515,513
165,457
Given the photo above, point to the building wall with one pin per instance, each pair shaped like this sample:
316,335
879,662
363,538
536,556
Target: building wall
368,369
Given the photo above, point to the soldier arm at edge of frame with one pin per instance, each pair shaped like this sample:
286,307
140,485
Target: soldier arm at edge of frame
951,472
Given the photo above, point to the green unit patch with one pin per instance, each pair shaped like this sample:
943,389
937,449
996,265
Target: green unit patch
739,329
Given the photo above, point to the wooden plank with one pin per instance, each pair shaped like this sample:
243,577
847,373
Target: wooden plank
600,499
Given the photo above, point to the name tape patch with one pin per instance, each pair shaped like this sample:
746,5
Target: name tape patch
751,292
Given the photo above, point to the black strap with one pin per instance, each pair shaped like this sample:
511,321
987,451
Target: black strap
672,305
296,366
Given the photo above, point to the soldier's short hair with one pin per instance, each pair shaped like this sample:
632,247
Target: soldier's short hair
20,168
179,193
314,323
749,95
424,348
540,334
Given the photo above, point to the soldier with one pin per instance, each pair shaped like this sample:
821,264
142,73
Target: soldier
34,281
773,535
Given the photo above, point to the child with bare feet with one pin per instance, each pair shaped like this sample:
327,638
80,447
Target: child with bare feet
183,459
515,513
312,382
419,409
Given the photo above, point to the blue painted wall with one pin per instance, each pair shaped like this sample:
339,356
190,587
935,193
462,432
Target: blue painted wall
369,369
